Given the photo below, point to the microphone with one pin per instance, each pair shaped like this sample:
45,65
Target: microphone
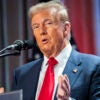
21,45
18,45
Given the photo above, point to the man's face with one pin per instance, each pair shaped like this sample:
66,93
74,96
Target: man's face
49,33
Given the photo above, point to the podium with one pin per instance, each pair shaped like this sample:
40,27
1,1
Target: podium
13,95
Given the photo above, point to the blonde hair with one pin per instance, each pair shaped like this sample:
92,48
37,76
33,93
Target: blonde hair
61,11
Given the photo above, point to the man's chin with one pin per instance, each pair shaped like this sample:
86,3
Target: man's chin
46,50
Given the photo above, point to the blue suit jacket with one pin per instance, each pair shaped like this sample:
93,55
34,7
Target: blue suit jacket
82,70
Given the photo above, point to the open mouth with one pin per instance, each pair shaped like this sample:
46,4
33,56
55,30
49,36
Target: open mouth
44,41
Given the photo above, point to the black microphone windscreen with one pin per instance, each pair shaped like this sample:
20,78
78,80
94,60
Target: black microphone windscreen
19,44
28,44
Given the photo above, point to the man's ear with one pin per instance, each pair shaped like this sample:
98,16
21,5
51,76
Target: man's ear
67,28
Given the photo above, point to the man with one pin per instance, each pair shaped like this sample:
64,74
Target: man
76,76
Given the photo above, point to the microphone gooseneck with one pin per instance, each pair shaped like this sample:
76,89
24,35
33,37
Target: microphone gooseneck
19,45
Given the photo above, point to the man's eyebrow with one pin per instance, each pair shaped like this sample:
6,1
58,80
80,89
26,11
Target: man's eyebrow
34,24
47,20
44,21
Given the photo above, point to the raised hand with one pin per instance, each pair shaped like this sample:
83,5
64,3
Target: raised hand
63,92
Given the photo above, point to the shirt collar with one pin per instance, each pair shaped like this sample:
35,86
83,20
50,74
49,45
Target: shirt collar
64,54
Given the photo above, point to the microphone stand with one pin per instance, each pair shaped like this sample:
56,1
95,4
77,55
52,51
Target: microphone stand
3,50
16,53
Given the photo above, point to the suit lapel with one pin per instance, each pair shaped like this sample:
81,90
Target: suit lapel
73,67
35,74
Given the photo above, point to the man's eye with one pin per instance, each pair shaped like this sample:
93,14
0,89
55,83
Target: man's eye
48,23
35,27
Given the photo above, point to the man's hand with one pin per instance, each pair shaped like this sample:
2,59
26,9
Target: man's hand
63,92
1,90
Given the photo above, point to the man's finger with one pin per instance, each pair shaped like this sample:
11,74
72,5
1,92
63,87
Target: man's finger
63,92
66,81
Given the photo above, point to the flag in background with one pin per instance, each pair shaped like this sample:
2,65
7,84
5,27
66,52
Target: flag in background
85,21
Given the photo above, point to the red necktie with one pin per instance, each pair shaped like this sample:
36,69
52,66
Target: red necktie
47,88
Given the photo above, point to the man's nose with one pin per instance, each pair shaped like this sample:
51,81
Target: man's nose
43,30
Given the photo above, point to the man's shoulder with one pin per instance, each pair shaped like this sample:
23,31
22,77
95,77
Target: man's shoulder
88,58
28,66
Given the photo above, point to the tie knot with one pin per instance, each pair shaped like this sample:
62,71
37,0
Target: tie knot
52,61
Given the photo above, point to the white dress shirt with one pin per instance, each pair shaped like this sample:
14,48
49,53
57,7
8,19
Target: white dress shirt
62,59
